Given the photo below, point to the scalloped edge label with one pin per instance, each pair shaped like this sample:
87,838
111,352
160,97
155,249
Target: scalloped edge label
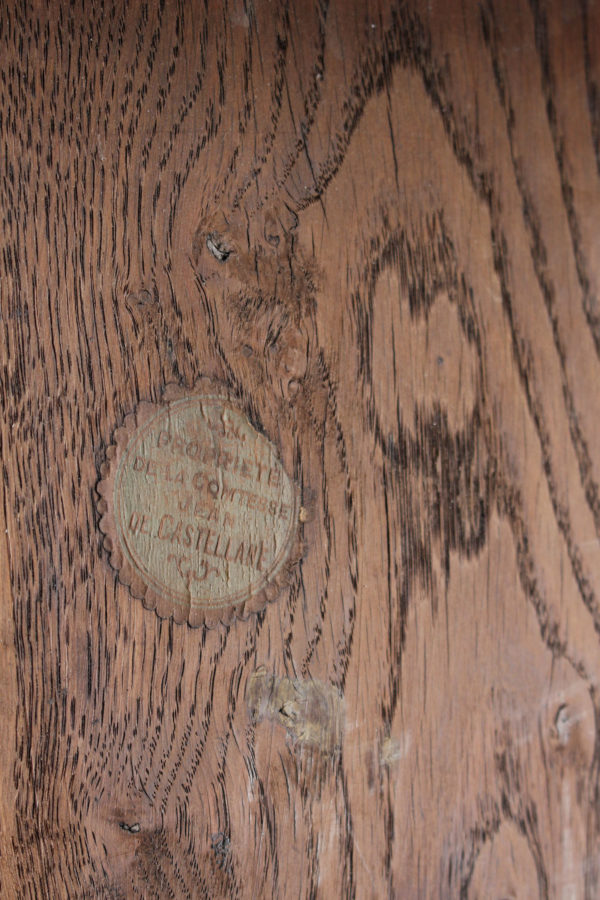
199,515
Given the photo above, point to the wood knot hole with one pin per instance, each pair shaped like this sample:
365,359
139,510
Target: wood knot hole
218,247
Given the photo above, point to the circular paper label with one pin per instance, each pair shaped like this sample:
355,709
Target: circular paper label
200,513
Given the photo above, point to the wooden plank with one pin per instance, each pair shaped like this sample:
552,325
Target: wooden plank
376,226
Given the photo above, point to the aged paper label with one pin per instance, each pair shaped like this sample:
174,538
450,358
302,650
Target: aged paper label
199,514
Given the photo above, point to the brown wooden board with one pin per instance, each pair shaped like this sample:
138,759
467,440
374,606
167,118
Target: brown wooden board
376,225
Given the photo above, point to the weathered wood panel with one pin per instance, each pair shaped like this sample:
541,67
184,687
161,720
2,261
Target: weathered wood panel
377,224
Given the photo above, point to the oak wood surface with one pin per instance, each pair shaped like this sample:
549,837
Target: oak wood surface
377,223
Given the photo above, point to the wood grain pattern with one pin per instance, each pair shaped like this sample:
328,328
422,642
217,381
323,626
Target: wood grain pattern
377,223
